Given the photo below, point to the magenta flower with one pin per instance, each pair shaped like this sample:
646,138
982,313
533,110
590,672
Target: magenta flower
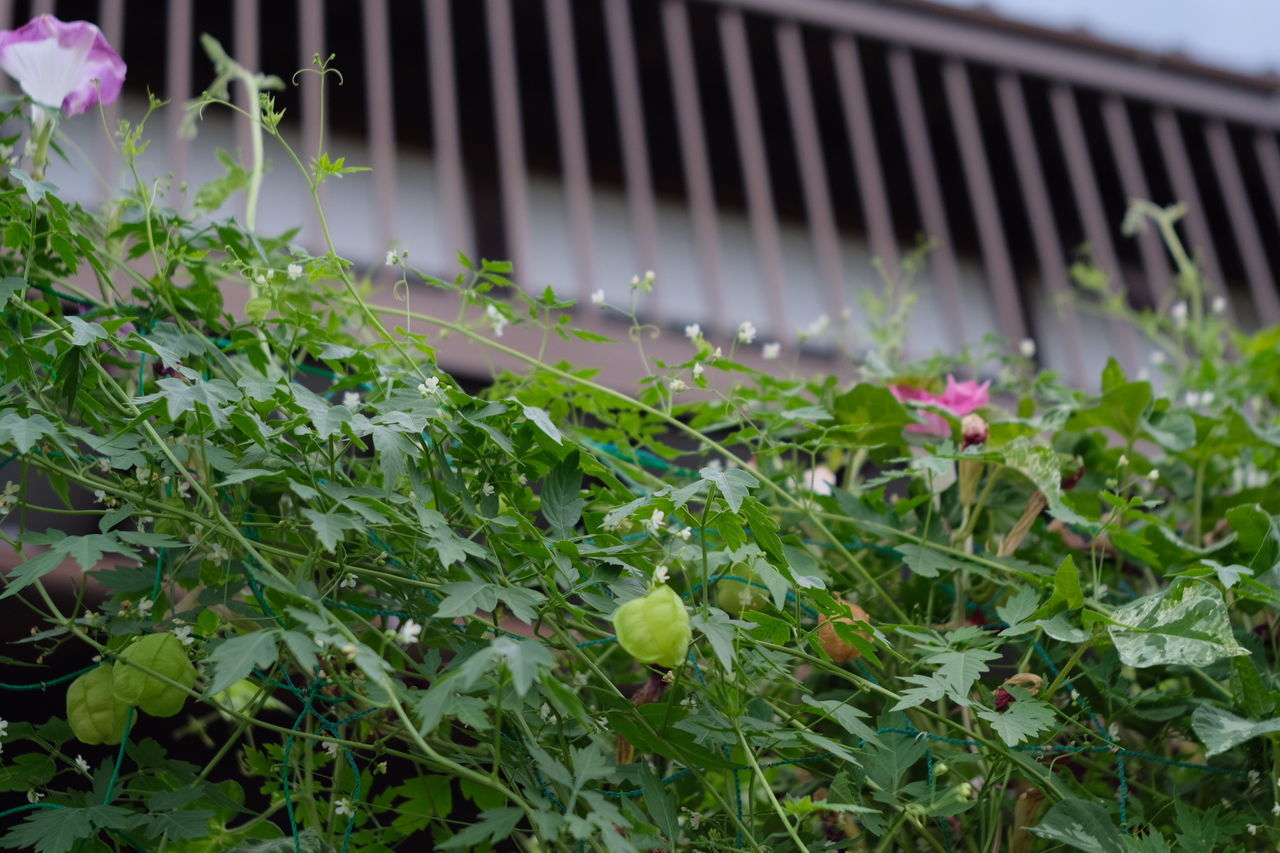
959,399
61,64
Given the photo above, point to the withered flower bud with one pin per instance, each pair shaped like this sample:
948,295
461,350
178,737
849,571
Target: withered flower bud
974,429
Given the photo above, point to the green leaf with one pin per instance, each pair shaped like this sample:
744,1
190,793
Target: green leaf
929,562
1022,720
10,286
1040,465
542,421
494,826
871,416
25,432
1185,624
462,598
235,658
959,669
561,504
1083,825
1017,610
1221,730
1066,584
181,396
27,573
83,333
734,484
1121,409
50,831
331,526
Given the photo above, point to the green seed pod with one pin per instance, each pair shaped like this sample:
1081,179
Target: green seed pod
95,714
655,627
165,654
734,596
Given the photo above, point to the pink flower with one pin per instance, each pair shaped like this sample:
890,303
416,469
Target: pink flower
959,399
62,64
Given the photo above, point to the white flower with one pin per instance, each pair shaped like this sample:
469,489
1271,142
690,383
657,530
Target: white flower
391,258
351,400
1192,398
746,332
183,633
655,521
1158,357
1219,305
487,489
1275,809
330,747
4,727
260,279
348,581
1179,314
771,351
661,575
815,328
597,297
408,633
1206,397
82,764
350,651
677,385
145,605
717,355
1252,828
1027,347
693,331
686,533
431,386
34,796
698,369
820,480
342,807
1153,474
522,479
496,319
1123,461
294,271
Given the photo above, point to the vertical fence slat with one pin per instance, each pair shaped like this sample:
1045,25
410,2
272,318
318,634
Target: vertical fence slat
813,172
511,165
1035,195
378,95
41,7
310,44
866,158
1264,147
635,150
977,172
1257,269
1174,152
178,33
1084,184
755,169
445,127
573,143
1124,148
693,151
111,21
245,51
924,177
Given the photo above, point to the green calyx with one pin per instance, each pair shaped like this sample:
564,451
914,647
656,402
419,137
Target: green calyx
95,714
654,628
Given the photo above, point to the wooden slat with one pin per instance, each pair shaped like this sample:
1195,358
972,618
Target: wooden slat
445,123
977,173
1125,150
1173,150
511,165
1264,147
635,148
179,40
381,118
244,50
697,169
1257,269
866,157
755,169
924,178
111,22
311,42
1084,184
573,143
813,172
1044,230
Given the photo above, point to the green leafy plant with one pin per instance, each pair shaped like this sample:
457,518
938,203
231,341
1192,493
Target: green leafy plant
385,611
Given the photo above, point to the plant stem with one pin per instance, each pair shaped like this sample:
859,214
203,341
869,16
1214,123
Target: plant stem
773,798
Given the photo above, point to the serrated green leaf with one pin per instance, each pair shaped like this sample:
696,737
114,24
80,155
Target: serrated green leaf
1022,720
542,421
25,432
1185,624
1082,825
734,484
330,527
561,504
235,658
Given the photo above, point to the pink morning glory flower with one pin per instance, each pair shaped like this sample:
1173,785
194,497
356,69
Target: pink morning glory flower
959,399
62,64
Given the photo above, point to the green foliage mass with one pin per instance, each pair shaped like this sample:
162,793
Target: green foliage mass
427,579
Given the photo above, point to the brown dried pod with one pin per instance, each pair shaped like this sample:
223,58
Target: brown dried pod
837,649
